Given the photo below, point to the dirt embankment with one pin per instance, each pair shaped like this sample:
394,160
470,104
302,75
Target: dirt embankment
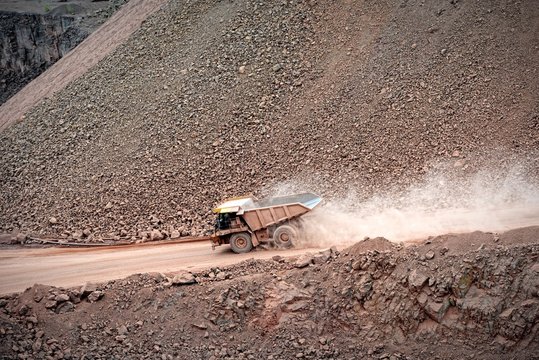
211,99
452,297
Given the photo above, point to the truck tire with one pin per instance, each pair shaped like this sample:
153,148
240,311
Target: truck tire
285,236
241,243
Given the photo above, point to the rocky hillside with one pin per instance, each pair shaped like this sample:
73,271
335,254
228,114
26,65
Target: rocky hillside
211,99
473,296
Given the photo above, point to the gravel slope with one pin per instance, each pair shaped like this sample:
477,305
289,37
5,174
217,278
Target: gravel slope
210,99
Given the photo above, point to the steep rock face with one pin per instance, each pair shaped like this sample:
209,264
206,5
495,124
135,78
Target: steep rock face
29,43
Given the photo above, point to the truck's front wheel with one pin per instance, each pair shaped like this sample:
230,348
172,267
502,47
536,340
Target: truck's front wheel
241,243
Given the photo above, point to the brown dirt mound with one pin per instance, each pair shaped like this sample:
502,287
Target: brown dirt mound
520,236
376,244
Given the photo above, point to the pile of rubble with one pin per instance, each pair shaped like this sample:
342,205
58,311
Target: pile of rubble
451,297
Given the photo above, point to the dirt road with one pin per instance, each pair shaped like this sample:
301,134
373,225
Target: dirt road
24,267
21,268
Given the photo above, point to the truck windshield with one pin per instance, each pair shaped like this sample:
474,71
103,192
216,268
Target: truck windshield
223,221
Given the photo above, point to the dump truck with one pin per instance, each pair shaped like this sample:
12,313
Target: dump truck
245,223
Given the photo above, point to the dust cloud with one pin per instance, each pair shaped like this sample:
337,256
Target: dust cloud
486,201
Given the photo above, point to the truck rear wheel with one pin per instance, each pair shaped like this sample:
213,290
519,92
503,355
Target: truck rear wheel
241,243
285,236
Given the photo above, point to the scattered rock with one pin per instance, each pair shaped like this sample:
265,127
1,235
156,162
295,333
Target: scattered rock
65,307
156,235
463,284
364,287
417,279
461,303
67,156
50,304
61,297
20,238
199,326
122,330
23,310
183,278
111,190
87,289
323,256
95,296
304,260
437,310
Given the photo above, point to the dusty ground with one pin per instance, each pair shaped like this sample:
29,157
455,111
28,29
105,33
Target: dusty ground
469,296
396,113
22,267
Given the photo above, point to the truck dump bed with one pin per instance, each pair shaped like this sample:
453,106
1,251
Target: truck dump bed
273,211
306,199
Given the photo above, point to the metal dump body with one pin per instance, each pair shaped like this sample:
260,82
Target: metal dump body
276,210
